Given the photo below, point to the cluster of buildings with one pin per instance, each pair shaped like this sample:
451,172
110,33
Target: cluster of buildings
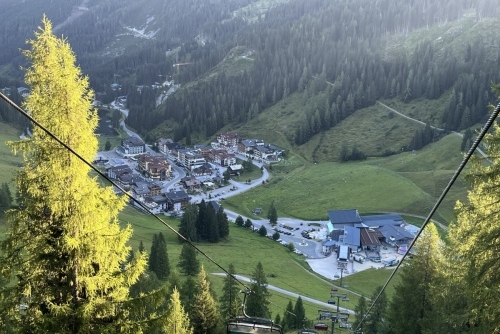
198,161
221,152
366,233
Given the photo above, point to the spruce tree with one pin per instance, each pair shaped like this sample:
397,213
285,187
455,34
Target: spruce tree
288,317
188,291
258,300
187,226
153,255
300,313
239,221
248,223
212,224
223,223
69,274
188,262
272,214
230,301
162,269
202,221
178,319
204,313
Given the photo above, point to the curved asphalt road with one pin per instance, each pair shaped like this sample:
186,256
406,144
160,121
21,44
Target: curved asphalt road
325,306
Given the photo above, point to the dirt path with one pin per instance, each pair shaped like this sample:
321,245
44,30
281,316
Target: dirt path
75,13
424,124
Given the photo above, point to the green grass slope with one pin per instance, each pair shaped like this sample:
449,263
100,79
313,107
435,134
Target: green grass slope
407,183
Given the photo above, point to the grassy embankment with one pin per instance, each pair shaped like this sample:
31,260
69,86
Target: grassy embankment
406,183
244,250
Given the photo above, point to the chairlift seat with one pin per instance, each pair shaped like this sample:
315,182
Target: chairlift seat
242,325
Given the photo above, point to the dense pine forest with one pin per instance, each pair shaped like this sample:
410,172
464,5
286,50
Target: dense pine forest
340,56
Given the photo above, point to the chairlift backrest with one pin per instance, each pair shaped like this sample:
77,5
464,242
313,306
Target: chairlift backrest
241,325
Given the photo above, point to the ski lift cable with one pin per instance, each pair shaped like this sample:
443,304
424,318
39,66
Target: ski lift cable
142,205
455,176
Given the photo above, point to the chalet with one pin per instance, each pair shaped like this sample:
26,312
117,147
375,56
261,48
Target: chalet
263,152
204,150
248,146
145,189
133,146
161,200
222,158
228,139
172,150
151,206
205,169
235,169
154,167
191,183
177,200
116,171
162,144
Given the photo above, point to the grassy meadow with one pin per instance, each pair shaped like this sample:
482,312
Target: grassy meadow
244,250
405,183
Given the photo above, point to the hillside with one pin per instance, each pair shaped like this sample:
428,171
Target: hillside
248,61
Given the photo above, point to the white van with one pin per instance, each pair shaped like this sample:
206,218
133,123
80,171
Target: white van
358,258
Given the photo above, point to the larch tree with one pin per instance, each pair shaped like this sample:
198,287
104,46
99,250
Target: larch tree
359,314
376,319
411,305
178,319
65,252
204,312
474,239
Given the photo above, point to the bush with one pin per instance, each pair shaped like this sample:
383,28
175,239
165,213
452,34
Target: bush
262,231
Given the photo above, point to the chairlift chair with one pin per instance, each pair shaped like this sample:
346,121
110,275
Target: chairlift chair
321,326
245,324
242,325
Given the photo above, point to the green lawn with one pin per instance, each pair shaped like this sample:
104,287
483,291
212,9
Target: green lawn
244,250
407,183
